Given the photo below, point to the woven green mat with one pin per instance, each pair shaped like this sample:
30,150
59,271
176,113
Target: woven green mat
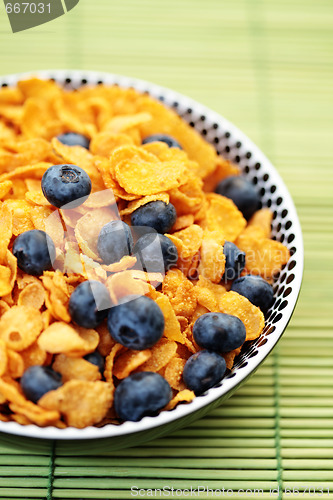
267,65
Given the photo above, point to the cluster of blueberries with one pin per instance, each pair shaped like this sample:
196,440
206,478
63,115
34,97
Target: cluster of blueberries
137,322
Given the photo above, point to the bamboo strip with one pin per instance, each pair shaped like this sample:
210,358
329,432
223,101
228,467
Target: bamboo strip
63,464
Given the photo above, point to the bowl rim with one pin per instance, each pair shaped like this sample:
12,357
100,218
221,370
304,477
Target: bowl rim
228,384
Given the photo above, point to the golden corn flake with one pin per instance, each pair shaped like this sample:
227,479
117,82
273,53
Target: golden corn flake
21,215
134,205
263,256
36,415
5,286
230,357
32,295
206,298
18,404
20,419
26,153
188,197
20,326
60,337
123,123
57,295
238,305
3,307
6,224
125,283
222,215
192,240
212,263
161,353
82,403
172,329
183,222
185,396
10,113
262,218
75,368
104,143
35,87
15,367
130,361
199,311
106,342
106,170
5,188
180,292
142,173
125,263
109,362
217,289
3,357
10,95
34,354
37,198
174,373
100,199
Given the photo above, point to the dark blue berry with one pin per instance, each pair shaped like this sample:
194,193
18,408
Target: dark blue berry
235,261
170,141
219,332
256,289
66,185
140,395
89,304
203,370
97,359
156,214
156,252
74,139
242,193
114,241
38,380
35,252
136,322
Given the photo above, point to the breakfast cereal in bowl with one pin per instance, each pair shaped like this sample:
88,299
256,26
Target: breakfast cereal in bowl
136,263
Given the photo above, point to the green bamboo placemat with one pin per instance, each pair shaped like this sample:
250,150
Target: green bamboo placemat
267,65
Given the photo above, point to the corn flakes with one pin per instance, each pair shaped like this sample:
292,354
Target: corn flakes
127,171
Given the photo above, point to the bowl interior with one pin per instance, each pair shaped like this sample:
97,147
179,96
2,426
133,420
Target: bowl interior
235,146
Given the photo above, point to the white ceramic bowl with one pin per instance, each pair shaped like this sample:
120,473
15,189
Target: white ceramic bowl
234,145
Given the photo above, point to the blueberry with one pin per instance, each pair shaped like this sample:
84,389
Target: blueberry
170,141
141,394
156,252
156,214
219,332
114,241
66,184
242,192
96,359
35,252
203,370
235,261
136,322
256,289
38,380
89,304
74,139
